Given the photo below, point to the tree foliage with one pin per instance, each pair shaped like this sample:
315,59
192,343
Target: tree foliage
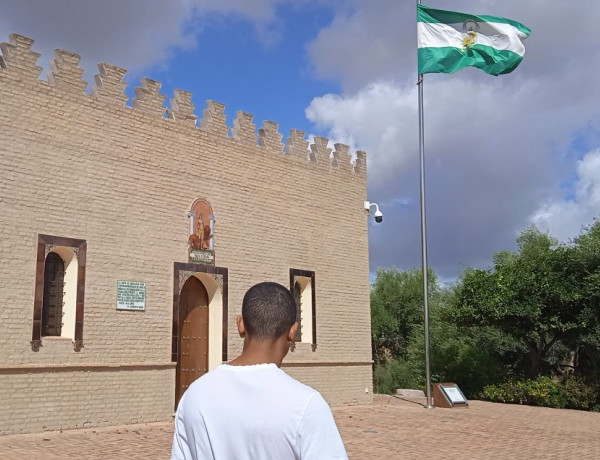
534,295
397,314
396,309
534,314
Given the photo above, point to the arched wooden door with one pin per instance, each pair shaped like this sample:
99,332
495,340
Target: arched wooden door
192,361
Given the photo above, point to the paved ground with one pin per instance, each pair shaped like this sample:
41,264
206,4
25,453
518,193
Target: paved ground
391,428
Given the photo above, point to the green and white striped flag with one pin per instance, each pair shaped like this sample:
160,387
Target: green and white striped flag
450,41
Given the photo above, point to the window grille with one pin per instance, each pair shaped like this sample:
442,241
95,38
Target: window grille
298,299
52,309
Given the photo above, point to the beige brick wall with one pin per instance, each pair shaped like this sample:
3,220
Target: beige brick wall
123,179
66,398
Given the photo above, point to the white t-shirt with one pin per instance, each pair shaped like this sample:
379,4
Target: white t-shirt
256,413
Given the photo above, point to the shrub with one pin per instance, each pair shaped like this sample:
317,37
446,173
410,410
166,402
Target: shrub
542,391
393,374
579,394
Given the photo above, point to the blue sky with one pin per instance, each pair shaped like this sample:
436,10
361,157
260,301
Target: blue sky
502,153
270,77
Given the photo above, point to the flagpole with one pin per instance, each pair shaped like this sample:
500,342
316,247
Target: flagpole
424,240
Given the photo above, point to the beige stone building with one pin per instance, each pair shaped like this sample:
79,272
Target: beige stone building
129,233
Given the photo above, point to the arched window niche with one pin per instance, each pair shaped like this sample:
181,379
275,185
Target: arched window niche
302,284
59,290
60,293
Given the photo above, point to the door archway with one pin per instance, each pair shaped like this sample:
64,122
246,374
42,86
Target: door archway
192,361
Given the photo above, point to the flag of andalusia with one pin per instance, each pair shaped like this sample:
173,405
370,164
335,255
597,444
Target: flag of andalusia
450,41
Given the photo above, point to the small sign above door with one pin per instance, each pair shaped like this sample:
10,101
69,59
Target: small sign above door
202,256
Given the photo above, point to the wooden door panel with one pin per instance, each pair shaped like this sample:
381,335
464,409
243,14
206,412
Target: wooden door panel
193,336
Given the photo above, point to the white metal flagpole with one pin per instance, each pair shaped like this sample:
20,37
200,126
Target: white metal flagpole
424,240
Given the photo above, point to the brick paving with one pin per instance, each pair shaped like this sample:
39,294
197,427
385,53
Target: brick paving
390,428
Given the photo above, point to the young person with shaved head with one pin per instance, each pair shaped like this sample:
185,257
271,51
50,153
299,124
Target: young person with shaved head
249,409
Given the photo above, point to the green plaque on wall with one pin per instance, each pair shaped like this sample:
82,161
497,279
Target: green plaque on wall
202,256
131,295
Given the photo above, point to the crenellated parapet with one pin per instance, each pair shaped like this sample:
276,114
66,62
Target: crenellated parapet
18,62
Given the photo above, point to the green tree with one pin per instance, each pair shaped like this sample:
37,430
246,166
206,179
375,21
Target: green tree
459,355
586,350
396,309
534,295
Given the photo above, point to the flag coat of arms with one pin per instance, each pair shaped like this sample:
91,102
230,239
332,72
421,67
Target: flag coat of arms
450,41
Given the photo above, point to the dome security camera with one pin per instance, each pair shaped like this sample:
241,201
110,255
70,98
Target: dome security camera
378,216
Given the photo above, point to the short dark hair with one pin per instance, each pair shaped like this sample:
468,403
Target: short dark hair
268,310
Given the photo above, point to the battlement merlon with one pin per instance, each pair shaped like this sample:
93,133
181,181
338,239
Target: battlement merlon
148,99
244,129
320,151
214,118
66,73
110,86
270,137
18,57
341,157
19,63
297,146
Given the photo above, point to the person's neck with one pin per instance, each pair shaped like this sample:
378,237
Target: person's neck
260,352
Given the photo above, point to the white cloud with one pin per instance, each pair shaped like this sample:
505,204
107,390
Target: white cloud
496,148
375,118
490,160
135,34
564,218
368,41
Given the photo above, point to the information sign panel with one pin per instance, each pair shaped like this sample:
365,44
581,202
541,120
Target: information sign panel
131,295
454,394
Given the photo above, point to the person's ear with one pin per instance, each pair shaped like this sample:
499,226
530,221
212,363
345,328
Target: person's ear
241,326
293,332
